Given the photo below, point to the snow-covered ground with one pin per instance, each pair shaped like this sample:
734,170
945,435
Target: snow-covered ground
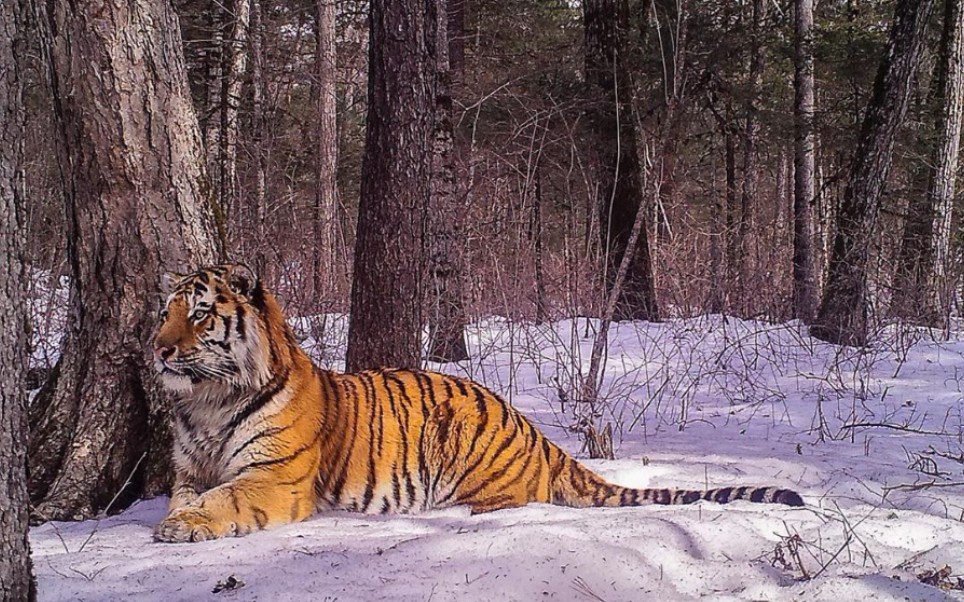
872,440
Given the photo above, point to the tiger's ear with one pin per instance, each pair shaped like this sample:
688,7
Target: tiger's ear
241,279
169,281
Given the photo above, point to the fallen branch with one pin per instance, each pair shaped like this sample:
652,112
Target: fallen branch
921,486
896,427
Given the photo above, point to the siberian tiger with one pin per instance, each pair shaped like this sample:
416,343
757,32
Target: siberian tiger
264,437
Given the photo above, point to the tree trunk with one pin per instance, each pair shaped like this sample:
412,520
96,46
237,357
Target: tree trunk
235,55
922,287
599,441
386,316
717,231
804,161
605,24
211,115
447,314
842,318
326,166
732,216
748,200
226,60
258,209
455,34
16,581
131,162
542,304
672,24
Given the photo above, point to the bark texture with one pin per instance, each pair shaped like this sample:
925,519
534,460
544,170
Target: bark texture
923,288
326,191
131,162
386,317
16,581
446,306
842,318
619,173
804,162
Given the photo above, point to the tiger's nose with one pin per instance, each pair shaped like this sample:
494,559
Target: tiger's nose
164,352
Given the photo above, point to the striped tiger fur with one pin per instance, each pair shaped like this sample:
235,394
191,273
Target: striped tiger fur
264,437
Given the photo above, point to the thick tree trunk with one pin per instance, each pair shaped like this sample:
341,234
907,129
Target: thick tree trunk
131,162
842,318
326,166
386,315
922,290
16,582
620,178
447,313
804,160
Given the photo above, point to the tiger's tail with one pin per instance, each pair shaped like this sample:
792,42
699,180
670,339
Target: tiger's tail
576,486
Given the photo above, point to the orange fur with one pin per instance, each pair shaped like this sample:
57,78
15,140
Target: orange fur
264,437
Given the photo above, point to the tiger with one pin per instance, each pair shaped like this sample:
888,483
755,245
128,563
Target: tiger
264,437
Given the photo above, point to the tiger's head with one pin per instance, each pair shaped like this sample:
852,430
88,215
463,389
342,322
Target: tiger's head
213,330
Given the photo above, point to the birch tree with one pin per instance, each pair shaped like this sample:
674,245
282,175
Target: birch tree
804,162
923,284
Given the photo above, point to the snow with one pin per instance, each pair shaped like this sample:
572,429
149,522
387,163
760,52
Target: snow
47,307
859,434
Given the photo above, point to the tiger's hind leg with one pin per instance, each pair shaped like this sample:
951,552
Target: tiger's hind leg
488,456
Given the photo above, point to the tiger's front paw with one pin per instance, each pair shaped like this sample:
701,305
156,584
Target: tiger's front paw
191,524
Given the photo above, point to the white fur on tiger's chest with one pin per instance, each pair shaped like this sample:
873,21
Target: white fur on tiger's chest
213,451
199,446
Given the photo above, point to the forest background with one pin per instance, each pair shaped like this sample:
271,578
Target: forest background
421,165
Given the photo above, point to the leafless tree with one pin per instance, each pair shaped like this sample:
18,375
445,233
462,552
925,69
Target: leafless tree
804,161
620,190
445,210
750,192
922,290
842,317
326,192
